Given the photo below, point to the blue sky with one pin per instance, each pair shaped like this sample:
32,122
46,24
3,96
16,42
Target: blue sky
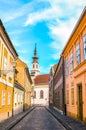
48,23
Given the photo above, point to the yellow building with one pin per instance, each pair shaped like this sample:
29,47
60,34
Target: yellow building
23,77
8,55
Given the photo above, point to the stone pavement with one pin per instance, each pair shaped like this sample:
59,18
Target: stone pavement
7,124
68,122
39,119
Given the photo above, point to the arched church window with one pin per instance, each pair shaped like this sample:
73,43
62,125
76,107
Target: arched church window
33,66
36,66
41,94
34,94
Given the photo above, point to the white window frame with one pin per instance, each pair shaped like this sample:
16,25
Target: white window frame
21,96
3,97
66,67
84,42
5,63
9,98
78,60
71,62
15,97
34,94
41,94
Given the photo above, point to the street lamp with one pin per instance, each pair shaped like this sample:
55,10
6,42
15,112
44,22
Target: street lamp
13,66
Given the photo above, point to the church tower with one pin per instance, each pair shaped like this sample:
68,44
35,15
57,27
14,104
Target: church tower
35,65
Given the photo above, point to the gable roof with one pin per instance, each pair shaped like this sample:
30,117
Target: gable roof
41,78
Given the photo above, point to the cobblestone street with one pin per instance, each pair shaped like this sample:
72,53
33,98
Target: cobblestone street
39,119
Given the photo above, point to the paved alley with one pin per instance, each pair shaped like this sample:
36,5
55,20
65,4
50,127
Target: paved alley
39,119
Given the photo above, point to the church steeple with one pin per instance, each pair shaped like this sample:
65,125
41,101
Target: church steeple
35,50
35,57
35,65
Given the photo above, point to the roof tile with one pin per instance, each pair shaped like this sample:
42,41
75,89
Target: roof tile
42,78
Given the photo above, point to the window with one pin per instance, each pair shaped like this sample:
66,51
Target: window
66,66
67,97
5,62
19,98
84,41
34,94
3,97
72,96
36,66
33,66
9,98
41,94
78,53
71,62
15,98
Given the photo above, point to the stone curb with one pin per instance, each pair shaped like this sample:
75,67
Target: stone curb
62,122
15,121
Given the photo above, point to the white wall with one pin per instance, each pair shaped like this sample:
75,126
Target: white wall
18,101
45,100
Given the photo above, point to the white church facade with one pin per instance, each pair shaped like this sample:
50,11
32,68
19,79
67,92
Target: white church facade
41,90
40,84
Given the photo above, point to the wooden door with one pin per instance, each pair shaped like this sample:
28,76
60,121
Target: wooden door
80,103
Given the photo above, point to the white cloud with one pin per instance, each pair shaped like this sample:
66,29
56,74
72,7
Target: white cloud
71,3
17,12
44,15
8,1
47,70
22,51
25,61
54,16
62,30
16,43
60,33
43,70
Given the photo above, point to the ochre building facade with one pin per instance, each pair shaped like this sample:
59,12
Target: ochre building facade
23,78
7,56
75,70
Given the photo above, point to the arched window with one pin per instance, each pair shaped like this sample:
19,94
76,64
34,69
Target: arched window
34,94
36,66
84,41
41,94
33,66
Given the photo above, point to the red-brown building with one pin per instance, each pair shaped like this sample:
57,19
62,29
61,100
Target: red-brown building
59,87
52,71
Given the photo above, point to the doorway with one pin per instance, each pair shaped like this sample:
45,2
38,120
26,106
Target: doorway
80,102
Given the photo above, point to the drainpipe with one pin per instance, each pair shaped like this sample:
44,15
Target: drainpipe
13,90
64,103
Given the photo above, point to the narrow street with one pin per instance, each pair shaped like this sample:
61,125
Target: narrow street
39,119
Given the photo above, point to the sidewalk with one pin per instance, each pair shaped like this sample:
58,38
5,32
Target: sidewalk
7,124
68,122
